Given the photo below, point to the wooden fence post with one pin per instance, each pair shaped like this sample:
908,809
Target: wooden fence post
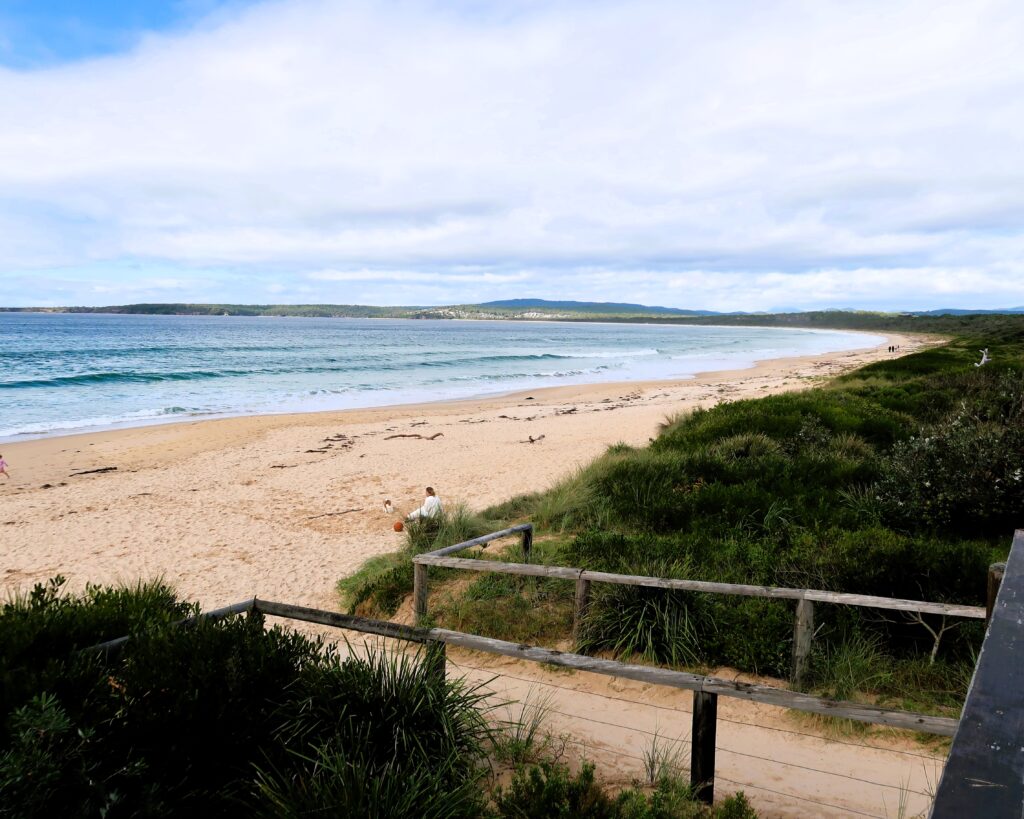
702,746
582,605
995,580
527,544
803,634
419,592
435,656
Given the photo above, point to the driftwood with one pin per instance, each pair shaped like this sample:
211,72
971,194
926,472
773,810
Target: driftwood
94,471
532,440
283,466
329,514
415,435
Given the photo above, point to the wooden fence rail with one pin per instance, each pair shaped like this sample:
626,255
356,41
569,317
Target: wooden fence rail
706,690
803,623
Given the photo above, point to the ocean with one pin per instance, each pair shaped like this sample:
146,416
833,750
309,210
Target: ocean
63,373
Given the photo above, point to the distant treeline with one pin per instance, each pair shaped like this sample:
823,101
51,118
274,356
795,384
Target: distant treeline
180,309
954,323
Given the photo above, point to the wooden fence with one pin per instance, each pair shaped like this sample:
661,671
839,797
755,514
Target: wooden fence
985,772
803,623
706,690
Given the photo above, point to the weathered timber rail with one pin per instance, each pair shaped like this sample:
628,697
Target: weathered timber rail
984,775
803,624
706,690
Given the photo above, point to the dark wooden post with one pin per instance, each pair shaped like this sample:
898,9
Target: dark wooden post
419,592
527,544
702,746
582,605
435,657
995,580
803,634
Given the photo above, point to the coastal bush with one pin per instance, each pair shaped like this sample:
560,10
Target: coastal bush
551,790
179,717
965,474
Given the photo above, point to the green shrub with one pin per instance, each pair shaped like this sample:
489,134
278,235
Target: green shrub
549,791
964,475
178,718
50,766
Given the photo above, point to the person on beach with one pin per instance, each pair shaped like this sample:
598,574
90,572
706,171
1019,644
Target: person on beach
3,468
431,507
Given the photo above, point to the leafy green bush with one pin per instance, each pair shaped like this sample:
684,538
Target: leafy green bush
549,790
965,474
50,766
178,717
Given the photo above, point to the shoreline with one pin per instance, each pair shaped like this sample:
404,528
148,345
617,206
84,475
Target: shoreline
283,506
11,442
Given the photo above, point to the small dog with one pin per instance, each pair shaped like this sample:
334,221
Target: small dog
388,508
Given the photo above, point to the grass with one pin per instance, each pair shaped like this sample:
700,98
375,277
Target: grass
382,583
904,478
522,737
664,759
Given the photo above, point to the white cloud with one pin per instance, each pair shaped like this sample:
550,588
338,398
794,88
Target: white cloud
766,156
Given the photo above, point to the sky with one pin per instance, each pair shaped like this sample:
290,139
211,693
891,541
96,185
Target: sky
722,156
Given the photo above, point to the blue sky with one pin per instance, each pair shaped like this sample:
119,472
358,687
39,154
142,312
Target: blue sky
39,33
720,156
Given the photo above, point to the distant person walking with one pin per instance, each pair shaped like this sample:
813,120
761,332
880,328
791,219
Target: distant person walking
3,468
431,507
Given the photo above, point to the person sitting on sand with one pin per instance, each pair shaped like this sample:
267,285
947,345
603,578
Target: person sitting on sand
431,507
3,468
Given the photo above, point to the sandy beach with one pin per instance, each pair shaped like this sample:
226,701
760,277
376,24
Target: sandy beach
282,506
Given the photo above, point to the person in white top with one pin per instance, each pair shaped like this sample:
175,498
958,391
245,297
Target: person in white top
431,507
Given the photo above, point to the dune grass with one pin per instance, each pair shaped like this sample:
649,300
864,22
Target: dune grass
904,478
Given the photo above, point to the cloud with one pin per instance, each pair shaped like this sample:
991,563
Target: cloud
827,155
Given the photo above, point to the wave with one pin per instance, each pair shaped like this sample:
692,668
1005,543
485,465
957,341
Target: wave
125,352
88,379
332,365
138,417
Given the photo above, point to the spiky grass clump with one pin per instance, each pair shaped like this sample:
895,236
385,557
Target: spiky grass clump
386,736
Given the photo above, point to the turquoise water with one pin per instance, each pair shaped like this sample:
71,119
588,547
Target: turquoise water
64,373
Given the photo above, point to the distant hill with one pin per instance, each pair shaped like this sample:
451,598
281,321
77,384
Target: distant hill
952,320
953,311
603,307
